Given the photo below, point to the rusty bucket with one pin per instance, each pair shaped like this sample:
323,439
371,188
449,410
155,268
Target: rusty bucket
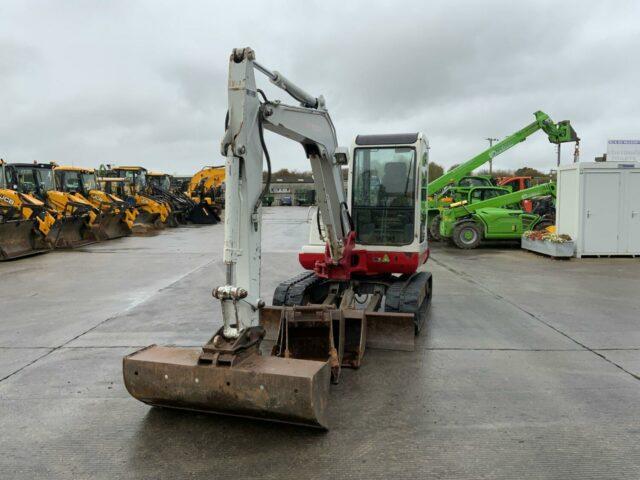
71,232
261,387
111,226
18,239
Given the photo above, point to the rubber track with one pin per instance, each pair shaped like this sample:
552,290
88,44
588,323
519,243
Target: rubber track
281,294
406,296
295,295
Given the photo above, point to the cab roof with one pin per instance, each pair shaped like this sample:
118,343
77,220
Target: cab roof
388,139
35,165
129,167
67,168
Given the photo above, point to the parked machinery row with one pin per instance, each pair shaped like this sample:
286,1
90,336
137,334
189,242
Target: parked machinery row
464,208
45,206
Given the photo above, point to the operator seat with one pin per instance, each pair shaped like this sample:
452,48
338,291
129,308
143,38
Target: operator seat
396,184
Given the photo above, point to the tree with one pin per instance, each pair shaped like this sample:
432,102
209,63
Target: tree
529,172
497,173
455,165
435,171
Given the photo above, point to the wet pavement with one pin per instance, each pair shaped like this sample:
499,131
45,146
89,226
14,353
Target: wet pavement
530,368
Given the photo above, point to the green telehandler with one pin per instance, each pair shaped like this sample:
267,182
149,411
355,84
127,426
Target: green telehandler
493,213
436,196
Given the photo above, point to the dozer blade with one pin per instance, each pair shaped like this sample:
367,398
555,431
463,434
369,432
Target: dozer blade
111,226
262,387
18,239
390,331
71,232
381,330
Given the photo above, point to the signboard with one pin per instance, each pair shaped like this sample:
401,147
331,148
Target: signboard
623,151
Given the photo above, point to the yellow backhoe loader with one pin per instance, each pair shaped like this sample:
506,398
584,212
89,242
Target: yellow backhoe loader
25,222
206,189
129,184
115,217
78,221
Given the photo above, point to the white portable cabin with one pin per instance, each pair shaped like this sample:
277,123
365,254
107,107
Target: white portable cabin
598,205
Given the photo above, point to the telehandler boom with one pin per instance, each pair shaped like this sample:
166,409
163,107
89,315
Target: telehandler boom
322,319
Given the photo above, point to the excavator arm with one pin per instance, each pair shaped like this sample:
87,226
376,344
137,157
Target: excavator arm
243,145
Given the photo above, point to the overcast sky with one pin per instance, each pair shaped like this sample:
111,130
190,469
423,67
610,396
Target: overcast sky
144,82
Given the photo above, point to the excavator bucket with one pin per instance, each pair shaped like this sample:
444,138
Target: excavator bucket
261,387
18,239
71,232
111,226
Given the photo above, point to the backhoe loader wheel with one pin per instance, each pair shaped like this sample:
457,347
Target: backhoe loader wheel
467,235
434,228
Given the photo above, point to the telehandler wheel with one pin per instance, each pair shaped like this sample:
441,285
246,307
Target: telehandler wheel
467,235
434,228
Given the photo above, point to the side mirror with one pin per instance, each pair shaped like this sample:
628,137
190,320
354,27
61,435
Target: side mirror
341,156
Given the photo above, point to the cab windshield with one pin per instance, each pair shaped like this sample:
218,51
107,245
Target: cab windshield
89,181
383,195
70,182
138,178
34,180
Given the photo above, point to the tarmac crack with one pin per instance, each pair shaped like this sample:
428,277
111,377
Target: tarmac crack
469,279
102,322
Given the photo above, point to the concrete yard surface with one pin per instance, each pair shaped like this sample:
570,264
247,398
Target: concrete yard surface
529,369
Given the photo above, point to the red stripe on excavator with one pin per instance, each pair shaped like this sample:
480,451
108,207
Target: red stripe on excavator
375,262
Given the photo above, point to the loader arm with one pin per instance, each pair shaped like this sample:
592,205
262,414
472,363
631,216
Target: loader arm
243,145
557,133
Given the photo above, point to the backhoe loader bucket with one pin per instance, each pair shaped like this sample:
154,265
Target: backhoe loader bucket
71,232
111,226
204,214
18,239
146,223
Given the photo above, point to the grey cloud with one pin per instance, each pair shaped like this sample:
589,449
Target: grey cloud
146,81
